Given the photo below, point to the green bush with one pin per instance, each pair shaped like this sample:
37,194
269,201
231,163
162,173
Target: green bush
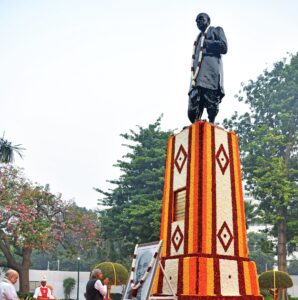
28,296
282,280
116,296
68,285
109,269
264,292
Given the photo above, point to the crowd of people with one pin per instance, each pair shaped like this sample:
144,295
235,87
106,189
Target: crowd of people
97,288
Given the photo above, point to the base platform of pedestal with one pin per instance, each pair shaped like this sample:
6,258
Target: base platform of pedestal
197,297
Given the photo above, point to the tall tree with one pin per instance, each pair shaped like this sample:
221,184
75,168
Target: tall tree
7,151
134,204
32,218
268,139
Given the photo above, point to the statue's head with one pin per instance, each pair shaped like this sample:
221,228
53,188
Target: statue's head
203,21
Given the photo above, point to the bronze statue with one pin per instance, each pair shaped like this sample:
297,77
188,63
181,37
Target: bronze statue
206,86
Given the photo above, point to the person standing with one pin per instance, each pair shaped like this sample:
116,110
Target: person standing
43,292
206,85
95,289
7,288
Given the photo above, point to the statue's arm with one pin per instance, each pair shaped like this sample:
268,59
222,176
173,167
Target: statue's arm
219,45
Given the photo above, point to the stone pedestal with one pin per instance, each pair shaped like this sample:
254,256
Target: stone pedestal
204,251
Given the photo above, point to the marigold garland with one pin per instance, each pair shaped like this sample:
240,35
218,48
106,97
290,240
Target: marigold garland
195,72
136,286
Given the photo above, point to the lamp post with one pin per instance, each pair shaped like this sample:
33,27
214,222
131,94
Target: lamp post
78,281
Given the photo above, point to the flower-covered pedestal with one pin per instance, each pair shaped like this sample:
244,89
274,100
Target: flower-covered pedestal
204,250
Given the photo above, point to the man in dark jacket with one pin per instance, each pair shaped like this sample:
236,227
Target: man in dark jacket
206,87
95,290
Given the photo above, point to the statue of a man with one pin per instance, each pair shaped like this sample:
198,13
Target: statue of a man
206,86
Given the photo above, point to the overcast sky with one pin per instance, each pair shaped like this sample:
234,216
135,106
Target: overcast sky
76,74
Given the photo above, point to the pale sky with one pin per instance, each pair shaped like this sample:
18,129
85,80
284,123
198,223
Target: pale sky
75,74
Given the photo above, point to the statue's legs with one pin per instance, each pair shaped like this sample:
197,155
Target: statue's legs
200,98
195,105
212,98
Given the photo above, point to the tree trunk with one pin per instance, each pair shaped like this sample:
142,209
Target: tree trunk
24,280
282,253
282,246
5,249
24,271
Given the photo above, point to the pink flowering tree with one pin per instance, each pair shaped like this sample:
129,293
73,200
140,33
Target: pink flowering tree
32,218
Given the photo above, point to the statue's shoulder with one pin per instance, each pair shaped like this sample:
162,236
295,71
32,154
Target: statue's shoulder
218,28
215,29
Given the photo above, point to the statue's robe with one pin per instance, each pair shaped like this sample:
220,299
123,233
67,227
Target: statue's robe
211,71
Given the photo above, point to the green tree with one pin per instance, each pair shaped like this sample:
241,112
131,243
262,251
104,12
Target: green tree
7,151
268,139
68,285
134,205
260,241
261,251
67,262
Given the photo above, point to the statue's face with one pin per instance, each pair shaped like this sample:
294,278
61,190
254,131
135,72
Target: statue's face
202,22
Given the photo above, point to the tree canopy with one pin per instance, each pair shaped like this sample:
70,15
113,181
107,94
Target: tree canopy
33,218
134,204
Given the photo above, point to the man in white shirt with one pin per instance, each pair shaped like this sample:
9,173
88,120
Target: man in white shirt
95,290
7,289
43,292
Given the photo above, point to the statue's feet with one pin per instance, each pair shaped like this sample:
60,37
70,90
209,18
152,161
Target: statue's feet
211,119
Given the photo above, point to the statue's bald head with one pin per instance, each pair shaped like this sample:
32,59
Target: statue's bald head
12,275
203,21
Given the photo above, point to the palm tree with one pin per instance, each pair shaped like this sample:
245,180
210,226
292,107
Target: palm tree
7,151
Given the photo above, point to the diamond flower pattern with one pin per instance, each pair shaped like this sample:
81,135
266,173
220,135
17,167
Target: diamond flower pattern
222,159
225,236
177,238
180,158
